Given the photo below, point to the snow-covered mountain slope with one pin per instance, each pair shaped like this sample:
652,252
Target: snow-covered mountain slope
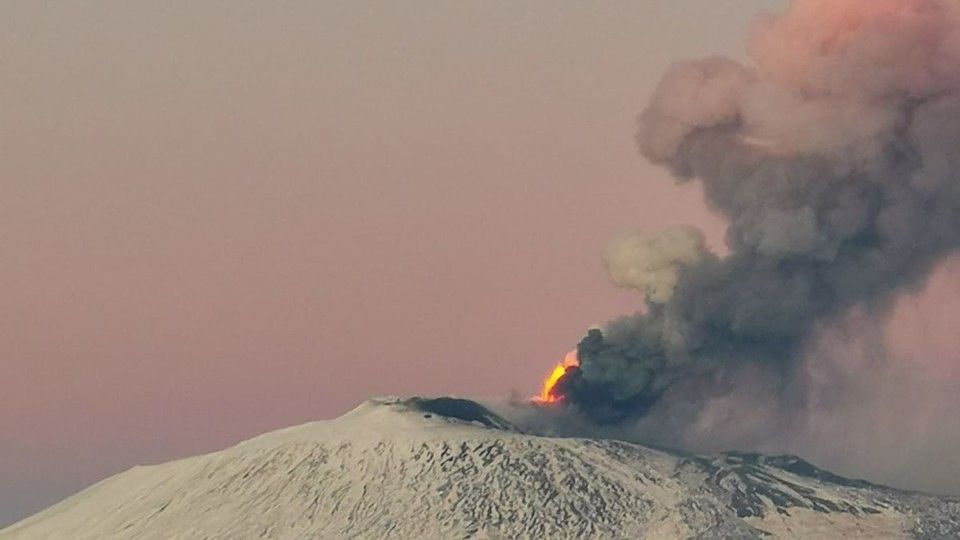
450,468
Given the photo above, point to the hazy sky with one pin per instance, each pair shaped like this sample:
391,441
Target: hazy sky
219,218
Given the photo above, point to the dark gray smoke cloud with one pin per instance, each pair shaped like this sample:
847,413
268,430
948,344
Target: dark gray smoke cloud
835,156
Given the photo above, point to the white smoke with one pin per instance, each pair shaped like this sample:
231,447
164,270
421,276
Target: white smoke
652,265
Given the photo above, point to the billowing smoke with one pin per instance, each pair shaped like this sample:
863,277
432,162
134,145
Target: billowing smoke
835,157
652,265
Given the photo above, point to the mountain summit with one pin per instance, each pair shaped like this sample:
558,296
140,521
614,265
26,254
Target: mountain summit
451,468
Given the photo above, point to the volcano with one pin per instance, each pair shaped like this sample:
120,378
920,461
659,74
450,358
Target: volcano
451,468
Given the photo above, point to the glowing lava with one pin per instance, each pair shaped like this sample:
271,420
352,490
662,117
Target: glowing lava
547,395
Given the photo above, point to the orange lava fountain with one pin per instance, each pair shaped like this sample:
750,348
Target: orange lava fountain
547,395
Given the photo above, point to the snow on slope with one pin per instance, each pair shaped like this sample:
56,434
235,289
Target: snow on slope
450,468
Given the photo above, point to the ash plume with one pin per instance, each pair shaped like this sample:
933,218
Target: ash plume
835,157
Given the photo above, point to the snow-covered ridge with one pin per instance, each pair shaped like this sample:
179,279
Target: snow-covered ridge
449,468
392,418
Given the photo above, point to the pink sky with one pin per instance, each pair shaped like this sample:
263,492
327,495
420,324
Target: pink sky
222,218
